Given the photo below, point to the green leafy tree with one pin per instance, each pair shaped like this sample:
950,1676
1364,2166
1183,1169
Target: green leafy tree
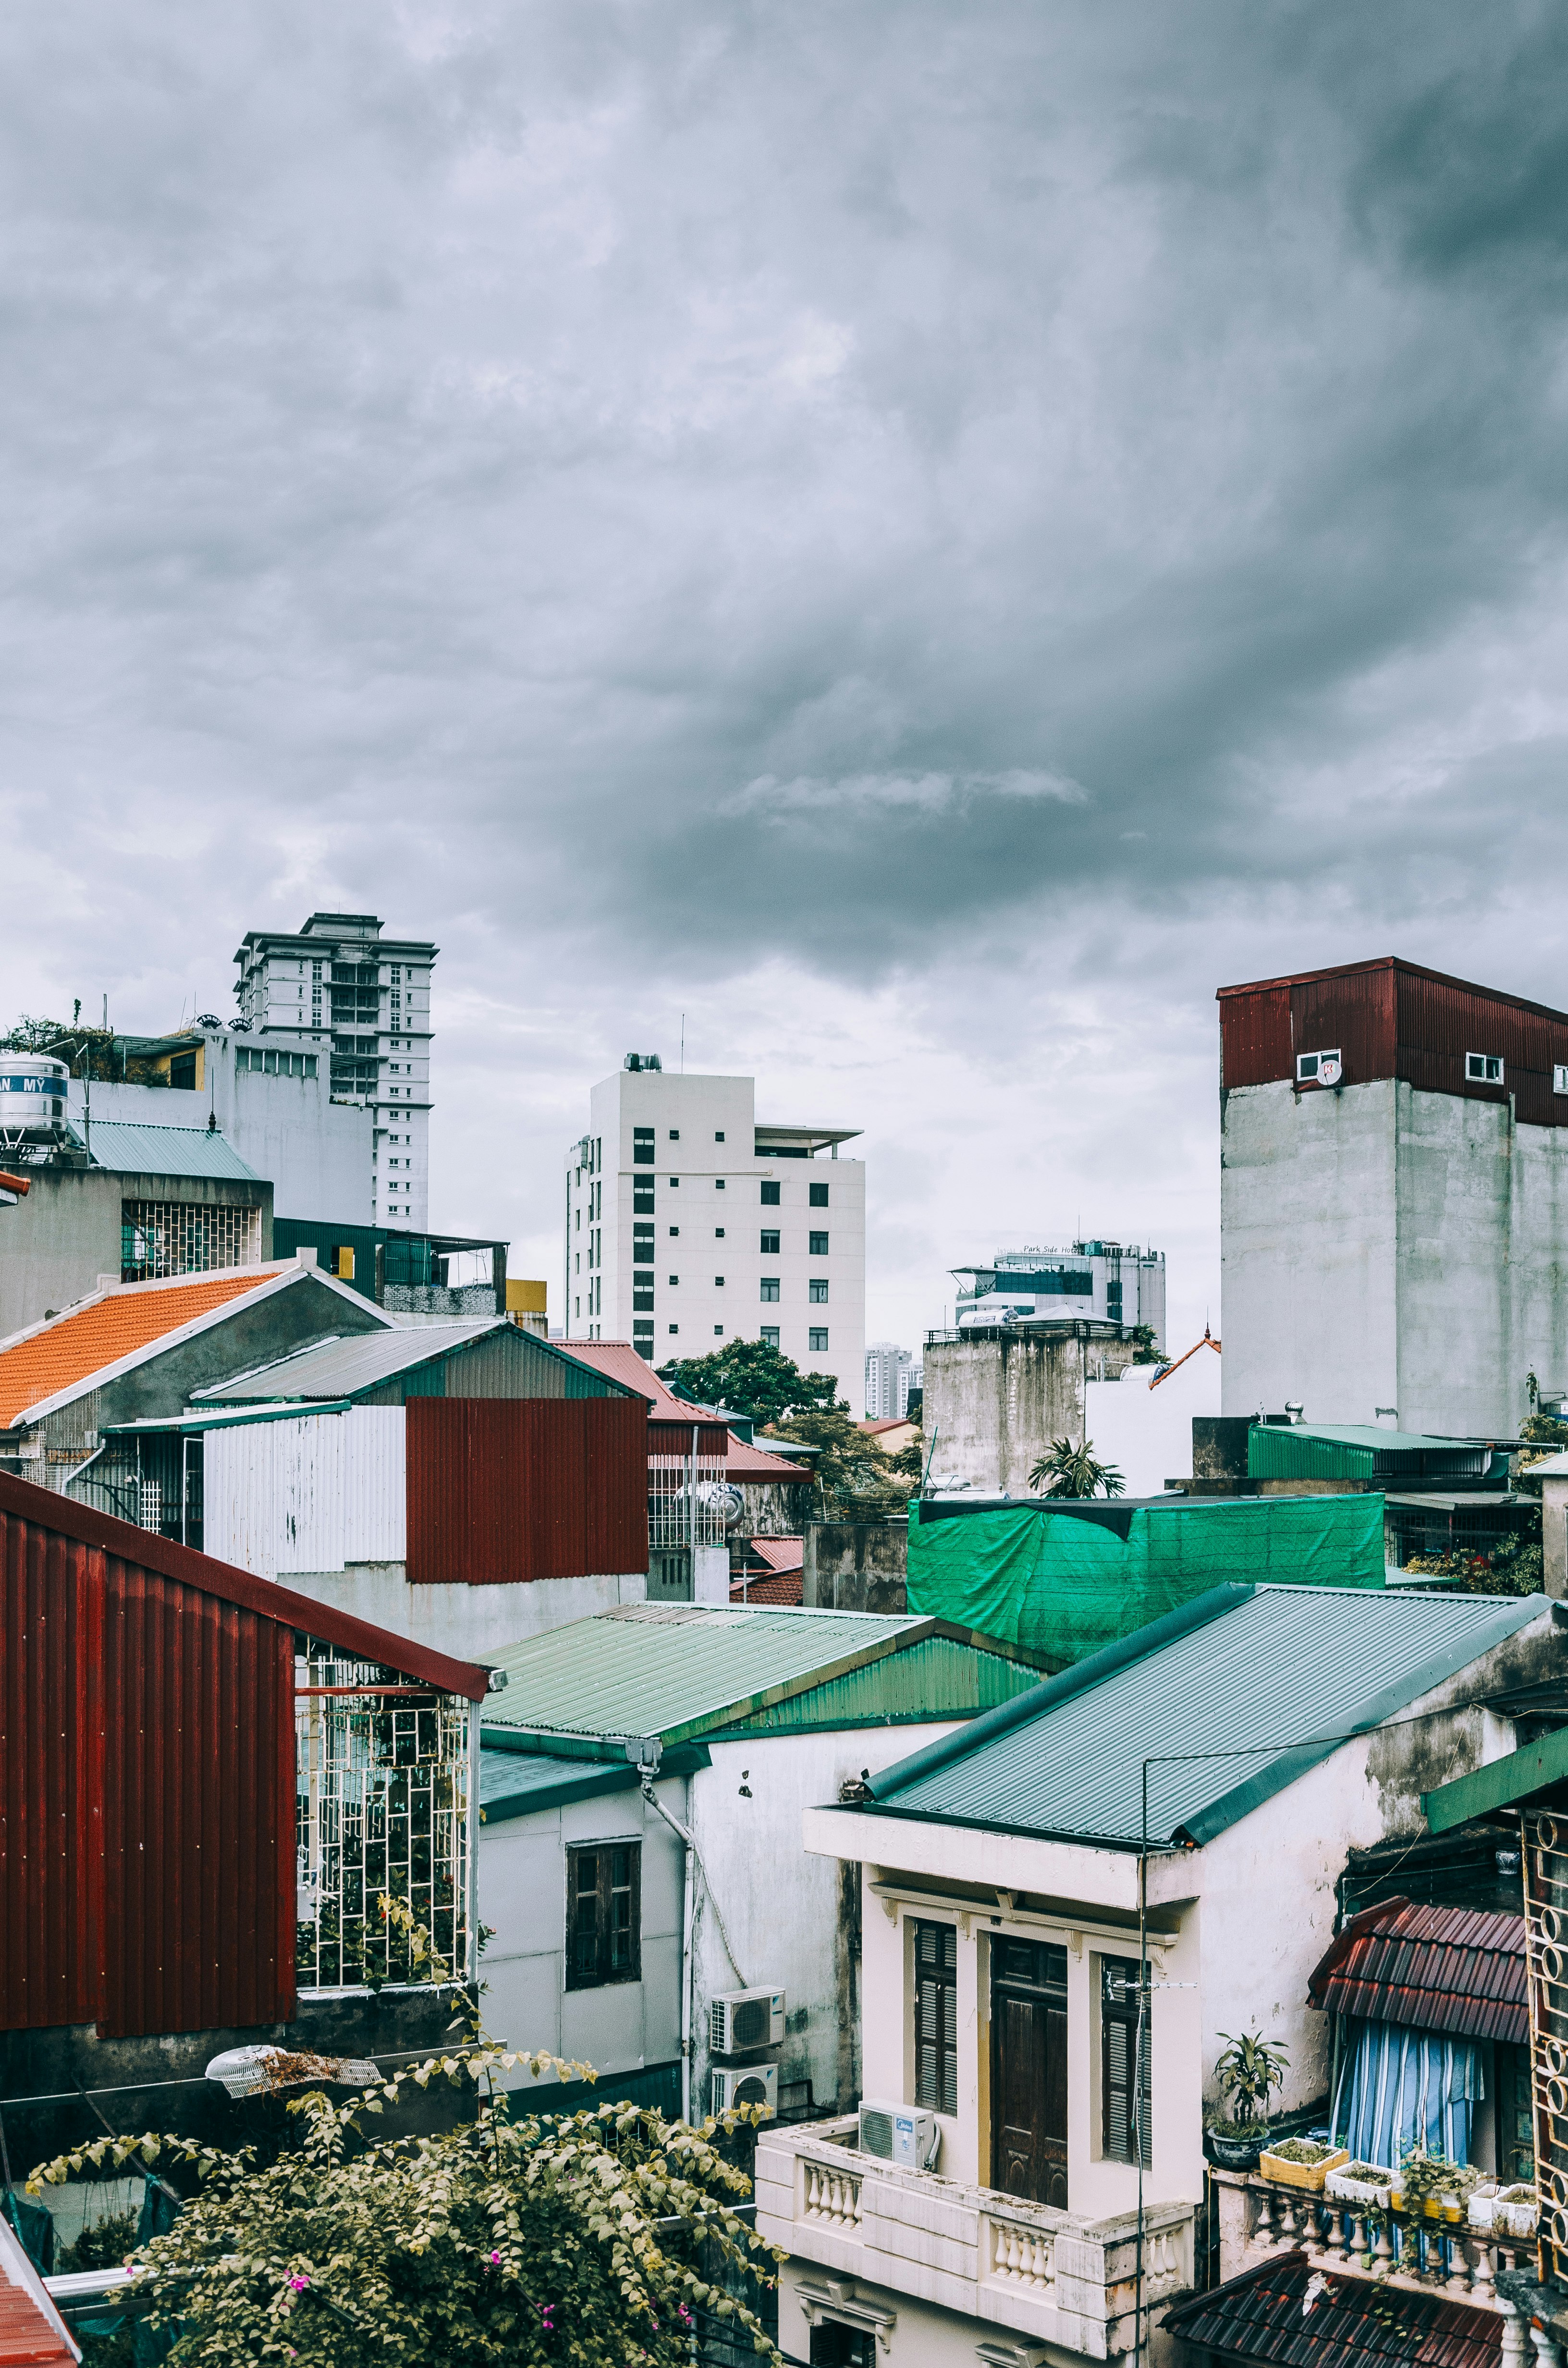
853,1472
1145,1352
751,1377
1065,1470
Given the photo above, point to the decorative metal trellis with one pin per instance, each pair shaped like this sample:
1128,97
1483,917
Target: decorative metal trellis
690,1503
1546,1944
384,1780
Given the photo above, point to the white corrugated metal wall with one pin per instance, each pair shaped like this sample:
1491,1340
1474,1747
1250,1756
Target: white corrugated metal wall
313,1492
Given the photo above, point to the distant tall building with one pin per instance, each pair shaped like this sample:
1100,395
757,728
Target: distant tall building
1393,1199
338,990
691,1223
1094,1282
889,1372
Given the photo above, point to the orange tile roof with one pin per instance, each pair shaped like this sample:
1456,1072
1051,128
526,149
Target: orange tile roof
622,1363
77,1345
784,1586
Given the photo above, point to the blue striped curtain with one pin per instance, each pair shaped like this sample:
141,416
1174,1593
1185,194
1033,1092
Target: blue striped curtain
1398,2088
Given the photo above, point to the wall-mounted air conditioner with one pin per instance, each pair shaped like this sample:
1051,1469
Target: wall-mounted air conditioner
744,2084
902,2134
739,2020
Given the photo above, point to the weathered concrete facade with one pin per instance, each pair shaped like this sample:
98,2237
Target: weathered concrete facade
857,1566
994,1405
1391,1253
66,1232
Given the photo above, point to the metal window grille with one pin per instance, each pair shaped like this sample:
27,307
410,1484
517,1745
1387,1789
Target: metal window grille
687,1500
165,1237
1546,1946
381,1805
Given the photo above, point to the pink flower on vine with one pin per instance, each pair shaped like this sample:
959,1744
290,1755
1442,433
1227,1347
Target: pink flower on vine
299,2284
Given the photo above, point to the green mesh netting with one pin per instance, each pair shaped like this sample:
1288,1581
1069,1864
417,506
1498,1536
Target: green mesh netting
1065,1586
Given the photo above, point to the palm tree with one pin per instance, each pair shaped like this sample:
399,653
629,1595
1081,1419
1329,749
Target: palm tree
1068,1471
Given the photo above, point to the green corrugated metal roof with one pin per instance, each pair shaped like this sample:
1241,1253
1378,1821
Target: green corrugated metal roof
935,1678
1356,1451
681,1669
514,1783
128,1148
1499,1784
1281,1666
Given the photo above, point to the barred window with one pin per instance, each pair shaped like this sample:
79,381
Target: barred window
165,1237
1118,2046
937,2016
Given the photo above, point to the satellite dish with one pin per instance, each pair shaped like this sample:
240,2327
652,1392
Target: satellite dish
1328,1071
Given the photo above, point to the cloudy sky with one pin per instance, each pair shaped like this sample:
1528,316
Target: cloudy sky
923,539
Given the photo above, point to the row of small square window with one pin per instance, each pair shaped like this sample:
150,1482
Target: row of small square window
1480,1069
816,1336
642,1289
643,1188
643,1242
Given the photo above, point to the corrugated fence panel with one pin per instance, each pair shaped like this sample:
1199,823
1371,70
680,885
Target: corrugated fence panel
1351,1015
311,1459
50,1780
1254,1037
503,1489
146,1796
375,1486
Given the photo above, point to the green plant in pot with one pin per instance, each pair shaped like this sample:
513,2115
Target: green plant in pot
1248,2072
1432,2185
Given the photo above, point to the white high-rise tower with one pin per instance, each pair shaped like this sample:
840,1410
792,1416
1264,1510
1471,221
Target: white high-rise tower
340,989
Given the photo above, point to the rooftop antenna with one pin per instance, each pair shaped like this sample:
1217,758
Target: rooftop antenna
682,1043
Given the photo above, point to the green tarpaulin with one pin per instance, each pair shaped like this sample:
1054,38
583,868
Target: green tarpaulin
1064,1582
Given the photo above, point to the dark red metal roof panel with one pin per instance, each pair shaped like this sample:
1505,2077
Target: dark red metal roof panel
1350,2322
61,1517
1459,1970
503,1489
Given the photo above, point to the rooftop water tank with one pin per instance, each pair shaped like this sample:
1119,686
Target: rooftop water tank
33,1100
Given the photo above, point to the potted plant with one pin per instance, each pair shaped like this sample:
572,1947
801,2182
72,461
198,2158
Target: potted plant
1249,2069
1504,2211
1432,2186
1362,2182
1301,2162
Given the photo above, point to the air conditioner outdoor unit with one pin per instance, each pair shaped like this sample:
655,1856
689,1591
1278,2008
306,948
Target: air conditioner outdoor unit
900,2133
739,2020
748,2084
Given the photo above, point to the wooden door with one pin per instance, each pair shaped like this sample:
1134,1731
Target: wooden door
1028,2070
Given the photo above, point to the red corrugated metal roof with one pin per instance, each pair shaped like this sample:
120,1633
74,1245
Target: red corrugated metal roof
66,1518
1391,962
621,1361
1264,2315
780,1554
1455,1969
32,2333
77,1345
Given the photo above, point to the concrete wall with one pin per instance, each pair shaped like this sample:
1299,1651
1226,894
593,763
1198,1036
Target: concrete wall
1146,1431
467,1621
993,1407
316,1153
1383,1248
64,1234
857,1566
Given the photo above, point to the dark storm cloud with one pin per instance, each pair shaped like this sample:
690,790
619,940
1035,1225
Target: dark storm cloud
686,473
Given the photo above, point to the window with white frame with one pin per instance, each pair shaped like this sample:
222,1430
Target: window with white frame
1483,1069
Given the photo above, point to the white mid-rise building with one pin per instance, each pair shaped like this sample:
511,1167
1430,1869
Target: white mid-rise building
889,1371
690,1222
1094,1282
361,1003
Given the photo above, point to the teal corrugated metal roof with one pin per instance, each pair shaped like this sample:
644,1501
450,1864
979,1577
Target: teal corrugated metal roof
514,1783
935,1678
678,1669
1283,1667
1369,1434
135,1150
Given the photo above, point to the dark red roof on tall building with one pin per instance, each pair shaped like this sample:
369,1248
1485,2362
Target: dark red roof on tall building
1459,1970
1392,1019
1266,2314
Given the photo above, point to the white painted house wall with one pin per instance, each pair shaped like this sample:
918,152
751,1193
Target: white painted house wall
1147,1432
782,1907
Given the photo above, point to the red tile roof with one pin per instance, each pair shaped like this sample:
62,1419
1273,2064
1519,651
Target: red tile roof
32,2333
1264,2315
1454,1969
622,1363
785,1586
82,1341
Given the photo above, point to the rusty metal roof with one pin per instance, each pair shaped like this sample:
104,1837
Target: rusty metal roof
1350,2322
1461,1970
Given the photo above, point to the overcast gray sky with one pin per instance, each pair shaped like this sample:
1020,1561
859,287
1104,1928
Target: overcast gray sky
926,538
